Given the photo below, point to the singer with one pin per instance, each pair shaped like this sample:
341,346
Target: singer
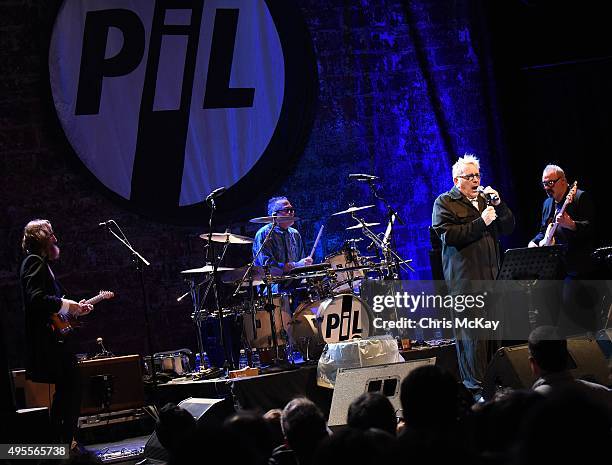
469,231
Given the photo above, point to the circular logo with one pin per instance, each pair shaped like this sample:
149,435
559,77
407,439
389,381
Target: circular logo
163,102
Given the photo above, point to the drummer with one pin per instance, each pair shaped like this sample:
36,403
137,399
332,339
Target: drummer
285,248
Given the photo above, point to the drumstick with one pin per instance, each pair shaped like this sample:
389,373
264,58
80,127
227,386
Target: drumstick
314,247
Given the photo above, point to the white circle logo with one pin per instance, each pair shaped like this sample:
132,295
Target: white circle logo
164,101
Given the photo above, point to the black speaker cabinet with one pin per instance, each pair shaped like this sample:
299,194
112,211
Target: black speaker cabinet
213,411
510,366
111,384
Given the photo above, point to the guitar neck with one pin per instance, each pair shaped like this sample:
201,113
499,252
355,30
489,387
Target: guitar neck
95,300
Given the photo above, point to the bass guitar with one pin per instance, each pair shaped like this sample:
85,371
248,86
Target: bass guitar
549,237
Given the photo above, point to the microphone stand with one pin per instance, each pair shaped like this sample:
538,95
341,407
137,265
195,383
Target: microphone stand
380,243
252,263
139,261
392,214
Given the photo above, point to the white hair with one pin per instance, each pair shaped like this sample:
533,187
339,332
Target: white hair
555,169
466,159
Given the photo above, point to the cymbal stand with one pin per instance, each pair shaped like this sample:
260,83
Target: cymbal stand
378,242
213,284
270,307
194,292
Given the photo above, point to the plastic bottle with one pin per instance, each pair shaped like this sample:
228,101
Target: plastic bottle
197,362
255,360
243,361
205,361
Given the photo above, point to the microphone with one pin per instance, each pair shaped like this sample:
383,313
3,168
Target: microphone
490,197
362,177
216,193
104,352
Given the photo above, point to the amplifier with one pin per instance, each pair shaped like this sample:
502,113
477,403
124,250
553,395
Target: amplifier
111,384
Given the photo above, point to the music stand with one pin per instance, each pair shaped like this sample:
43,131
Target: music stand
532,263
529,265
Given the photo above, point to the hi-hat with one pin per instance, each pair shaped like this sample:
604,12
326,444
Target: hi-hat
206,269
273,219
351,210
227,237
257,275
359,226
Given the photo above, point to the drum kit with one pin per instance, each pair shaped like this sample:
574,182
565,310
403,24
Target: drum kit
323,306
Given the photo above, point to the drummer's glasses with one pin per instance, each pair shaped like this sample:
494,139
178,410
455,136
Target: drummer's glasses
286,210
470,177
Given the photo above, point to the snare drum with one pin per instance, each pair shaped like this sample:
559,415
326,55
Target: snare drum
348,257
257,325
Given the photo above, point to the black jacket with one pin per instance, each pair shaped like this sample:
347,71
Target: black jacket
579,243
470,249
41,297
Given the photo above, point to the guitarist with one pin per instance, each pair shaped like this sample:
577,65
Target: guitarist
575,226
568,310
49,358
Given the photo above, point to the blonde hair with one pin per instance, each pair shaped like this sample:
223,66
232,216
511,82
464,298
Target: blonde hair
35,235
467,159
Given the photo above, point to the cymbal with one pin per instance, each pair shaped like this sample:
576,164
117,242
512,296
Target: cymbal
227,237
351,210
272,219
359,226
206,269
258,273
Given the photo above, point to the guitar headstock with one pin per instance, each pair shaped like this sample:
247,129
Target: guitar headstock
572,193
106,295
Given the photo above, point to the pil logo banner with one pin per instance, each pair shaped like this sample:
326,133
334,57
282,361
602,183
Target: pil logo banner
166,100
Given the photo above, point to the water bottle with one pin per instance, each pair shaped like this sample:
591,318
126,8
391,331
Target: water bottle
243,361
205,361
197,362
255,360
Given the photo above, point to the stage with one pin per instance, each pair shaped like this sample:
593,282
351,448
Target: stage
269,391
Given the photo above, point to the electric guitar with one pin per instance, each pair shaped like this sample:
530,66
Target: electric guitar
63,324
549,237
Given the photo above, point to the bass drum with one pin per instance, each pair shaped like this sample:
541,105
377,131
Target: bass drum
337,319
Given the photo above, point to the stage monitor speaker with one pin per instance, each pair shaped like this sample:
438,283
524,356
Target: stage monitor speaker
111,384
386,379
213,411
510,366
